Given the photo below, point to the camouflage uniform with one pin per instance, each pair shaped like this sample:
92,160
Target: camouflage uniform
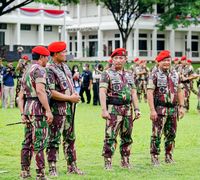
166,87
22,65
119,105
185,72
142,82
36,132
176,67
198,86
60,79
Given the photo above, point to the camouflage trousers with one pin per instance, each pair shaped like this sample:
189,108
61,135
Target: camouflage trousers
121,122
142,89
17,90
62,125
35,141
163,125
186,97
198,105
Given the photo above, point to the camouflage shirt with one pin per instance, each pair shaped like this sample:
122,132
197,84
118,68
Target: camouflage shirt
34,74
166,86
118,85
59,79
23,64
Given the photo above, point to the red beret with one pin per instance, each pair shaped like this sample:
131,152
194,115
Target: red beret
41,50
25,57
176,59
119,52
136,59
183,58
189,61
162,55
57,46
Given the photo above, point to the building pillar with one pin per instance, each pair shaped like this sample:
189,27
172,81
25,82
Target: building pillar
79,44
136,42
172,43
100,44
154,43
189,44
130,45
149,53
18,34
41,34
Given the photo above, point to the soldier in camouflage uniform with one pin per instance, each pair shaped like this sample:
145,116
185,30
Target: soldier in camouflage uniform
186,74
133,69
36,113
176,64
21,67
165,98
62,103
142,74
198,86
117,94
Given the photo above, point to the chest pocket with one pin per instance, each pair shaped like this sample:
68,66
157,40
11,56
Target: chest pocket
174,78
161,80
62,81
162,83
116,82
129,79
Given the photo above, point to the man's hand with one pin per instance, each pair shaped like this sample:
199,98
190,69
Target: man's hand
105,114
74,98
49,116
181,112
153,115
24,120
137,114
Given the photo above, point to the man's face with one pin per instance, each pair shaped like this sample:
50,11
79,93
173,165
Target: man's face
165,64
183,62
61,56
176,62
44,60
10,65
119,61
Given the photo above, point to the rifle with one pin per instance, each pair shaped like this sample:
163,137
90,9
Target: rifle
11,124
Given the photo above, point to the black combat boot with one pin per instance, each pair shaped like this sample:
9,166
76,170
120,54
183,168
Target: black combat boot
40,174
25,173
108,163
73,169
52,169
154,160
169,159
125,162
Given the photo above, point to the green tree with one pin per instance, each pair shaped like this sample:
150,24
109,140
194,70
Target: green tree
179,12
126,12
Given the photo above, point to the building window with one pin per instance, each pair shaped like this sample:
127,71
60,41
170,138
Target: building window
117,44
70,38
83,37
117,35
93,36
3,26
142,35
160,42
70,46
25,27
47,28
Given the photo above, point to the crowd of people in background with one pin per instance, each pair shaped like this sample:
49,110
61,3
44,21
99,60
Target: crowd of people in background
86,79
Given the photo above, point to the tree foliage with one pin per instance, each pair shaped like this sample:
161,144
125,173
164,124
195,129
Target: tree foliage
179,12
126,12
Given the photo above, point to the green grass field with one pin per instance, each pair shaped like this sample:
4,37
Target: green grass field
90,133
